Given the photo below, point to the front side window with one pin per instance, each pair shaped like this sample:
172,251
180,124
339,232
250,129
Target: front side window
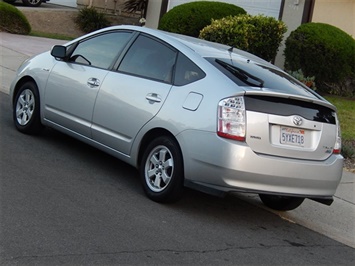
101,50
149,58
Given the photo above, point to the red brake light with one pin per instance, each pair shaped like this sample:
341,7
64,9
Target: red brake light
231,118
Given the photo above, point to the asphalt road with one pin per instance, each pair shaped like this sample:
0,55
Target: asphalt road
63,202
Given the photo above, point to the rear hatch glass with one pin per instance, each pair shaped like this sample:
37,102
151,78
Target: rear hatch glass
247,73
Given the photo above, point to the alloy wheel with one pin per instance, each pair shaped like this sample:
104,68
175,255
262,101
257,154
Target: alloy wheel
25,107
159,168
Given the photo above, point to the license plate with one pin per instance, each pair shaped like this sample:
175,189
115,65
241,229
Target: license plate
292,136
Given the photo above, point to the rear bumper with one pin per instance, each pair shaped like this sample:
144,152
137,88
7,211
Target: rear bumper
228,166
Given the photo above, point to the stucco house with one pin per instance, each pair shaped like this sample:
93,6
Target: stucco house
339,13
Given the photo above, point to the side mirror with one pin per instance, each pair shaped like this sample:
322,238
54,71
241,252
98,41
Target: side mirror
59,51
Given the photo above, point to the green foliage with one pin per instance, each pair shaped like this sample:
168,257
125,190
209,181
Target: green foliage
308,81
51,35
190,18
346,111
258,35
89,19
348,149
326,52
13,20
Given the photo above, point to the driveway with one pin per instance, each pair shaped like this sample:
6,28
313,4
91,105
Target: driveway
70,3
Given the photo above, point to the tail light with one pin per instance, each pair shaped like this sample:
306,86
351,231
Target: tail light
337,145
231,118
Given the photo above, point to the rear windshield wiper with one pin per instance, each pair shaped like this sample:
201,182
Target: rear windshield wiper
242,74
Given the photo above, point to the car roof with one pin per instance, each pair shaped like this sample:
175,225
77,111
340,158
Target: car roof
202,47
197,48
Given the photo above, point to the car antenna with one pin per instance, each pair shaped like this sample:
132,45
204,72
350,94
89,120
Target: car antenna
230,50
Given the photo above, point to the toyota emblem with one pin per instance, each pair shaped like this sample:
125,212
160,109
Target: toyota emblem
297,120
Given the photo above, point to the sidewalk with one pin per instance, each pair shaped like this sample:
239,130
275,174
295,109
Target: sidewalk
14,49
336,221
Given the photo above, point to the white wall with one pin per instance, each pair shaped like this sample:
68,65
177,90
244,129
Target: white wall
153,13
292,16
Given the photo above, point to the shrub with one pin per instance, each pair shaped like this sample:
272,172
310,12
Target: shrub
13,20
89,19
190,18
323,51
308,81
258,35
348,149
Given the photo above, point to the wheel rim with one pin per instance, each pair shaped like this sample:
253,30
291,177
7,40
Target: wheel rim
24,107
34,2
159,168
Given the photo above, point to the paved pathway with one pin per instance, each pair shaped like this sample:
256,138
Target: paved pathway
71,3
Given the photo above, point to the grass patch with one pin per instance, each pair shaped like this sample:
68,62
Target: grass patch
346,115
51,35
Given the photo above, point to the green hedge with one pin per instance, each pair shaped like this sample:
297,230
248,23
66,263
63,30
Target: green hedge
13,20
89,20
258,35
190,18
323,51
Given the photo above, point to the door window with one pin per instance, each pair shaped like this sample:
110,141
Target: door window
150,59
100,51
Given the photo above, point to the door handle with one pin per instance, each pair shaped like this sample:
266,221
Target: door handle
93,82
153,98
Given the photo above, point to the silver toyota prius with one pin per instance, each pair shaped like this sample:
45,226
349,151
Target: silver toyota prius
185,112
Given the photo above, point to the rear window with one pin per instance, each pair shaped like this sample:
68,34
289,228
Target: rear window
288,107
251,74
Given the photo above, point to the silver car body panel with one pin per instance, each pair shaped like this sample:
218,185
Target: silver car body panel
116,113
227,166
264,137
70,97
125,103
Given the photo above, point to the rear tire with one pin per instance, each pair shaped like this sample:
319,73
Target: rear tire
26,109
161,170
281,203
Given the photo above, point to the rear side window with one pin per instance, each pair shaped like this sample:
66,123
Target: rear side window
186,71
149,58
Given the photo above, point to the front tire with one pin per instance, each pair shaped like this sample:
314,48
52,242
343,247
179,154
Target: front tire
281,203
161,170
32,3
26,109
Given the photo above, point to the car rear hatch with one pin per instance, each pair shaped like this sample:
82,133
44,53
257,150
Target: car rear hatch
293,127
282,116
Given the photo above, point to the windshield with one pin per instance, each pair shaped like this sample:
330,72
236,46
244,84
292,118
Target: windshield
251,74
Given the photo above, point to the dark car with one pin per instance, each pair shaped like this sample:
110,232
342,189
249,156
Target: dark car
33,3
